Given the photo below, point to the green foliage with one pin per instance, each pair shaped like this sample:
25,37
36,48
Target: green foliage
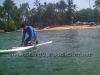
11,13
87,15
1,25
24,11
97,4
47,14
8,6
11,28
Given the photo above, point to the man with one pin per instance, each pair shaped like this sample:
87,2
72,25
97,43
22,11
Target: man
32,39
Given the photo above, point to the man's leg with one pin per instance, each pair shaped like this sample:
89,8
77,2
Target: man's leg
35,40
26,42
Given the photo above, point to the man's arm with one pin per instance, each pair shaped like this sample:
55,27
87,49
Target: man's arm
23,37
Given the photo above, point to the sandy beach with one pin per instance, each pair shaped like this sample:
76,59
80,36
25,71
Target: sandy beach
66,27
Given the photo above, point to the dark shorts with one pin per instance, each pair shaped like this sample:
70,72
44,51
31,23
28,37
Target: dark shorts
34,39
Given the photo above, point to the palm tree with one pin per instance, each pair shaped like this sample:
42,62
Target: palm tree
62,6
50,13
70,3
89,13
56,6
45,5
74,8
97,6
96,13
38,4
32,12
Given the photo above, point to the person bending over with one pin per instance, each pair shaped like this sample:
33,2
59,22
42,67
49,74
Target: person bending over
32,39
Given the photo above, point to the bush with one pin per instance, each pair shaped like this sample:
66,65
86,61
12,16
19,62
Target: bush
11,27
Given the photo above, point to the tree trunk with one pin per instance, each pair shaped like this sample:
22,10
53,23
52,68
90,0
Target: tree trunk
8,19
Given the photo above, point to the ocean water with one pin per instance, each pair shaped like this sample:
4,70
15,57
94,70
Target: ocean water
73,52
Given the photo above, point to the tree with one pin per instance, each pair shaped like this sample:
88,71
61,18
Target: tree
24,9
50,13
2,17
39,10
74,6
97,4
32,13
73,10
41,15
70,3
96,17
2,14
8,6
97,7
62,6
16,16
83,16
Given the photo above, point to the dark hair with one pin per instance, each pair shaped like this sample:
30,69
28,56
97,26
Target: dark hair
23,25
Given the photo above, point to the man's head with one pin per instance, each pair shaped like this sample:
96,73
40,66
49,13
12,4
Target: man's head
24,26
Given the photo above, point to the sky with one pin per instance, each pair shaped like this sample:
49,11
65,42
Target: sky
81,4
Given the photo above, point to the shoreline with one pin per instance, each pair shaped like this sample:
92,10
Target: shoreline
66,27
1,31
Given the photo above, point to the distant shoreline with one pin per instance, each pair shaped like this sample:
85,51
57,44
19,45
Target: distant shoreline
2,31
66,27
